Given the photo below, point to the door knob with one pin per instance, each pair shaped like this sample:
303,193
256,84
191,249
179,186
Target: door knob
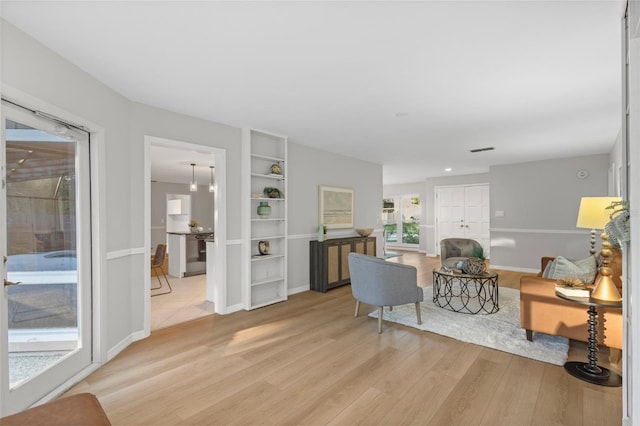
8,283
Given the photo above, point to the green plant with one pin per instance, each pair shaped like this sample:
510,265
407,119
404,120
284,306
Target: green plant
193,223
272,192
324,229
478,252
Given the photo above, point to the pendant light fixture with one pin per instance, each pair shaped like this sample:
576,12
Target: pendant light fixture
211,187
193,186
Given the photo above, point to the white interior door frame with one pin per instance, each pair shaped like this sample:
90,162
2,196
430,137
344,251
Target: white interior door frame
216,284
454,219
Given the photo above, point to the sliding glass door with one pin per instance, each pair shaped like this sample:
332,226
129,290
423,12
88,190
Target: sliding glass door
45,325
401,220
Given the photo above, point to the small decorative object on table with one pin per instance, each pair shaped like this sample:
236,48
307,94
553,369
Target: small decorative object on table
364,232
273,192
475,265
276,169
264,210
193,225
572,287
263,247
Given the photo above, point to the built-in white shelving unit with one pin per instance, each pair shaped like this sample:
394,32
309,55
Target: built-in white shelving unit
264,276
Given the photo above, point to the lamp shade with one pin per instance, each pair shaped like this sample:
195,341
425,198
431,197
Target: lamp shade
592,213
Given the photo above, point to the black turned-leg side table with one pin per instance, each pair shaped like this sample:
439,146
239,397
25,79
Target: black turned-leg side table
590,371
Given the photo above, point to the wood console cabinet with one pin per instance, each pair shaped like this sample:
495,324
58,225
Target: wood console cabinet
329,260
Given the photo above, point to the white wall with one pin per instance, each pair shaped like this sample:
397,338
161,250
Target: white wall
150,121
307,169
540,201
31,71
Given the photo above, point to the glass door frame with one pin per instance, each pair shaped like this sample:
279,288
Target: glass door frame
398,209
49,381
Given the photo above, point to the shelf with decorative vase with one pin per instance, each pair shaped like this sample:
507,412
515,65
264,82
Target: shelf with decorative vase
264,188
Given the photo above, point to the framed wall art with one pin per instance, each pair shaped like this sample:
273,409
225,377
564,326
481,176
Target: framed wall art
336,207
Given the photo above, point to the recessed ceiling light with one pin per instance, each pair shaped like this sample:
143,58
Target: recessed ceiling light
448,169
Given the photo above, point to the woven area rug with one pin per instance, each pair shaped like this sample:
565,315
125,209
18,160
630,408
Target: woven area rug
499,331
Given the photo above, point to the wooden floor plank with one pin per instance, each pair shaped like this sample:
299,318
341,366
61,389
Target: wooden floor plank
560,399
468,400
514,400
310,361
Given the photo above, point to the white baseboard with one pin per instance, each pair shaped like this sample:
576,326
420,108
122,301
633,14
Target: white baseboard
514,269
297,290
122,344
233,308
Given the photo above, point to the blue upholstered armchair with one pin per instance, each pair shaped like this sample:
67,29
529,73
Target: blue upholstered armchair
380,283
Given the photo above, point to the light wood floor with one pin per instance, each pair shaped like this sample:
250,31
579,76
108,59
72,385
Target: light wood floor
186,302
309,361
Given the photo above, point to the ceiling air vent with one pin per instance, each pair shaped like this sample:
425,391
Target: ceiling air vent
489,148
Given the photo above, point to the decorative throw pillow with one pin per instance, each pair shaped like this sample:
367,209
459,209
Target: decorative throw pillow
583,269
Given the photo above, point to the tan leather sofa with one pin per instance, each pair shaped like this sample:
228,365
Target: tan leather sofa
543,312
80,409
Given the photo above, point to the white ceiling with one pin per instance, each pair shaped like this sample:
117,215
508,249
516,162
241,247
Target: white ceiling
410,85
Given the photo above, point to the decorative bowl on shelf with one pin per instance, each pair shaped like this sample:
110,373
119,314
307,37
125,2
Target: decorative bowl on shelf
364,232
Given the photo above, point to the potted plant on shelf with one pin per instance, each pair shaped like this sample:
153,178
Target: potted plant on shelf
193,225
272,192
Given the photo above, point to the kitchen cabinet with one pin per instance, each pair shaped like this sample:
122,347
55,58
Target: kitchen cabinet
329,260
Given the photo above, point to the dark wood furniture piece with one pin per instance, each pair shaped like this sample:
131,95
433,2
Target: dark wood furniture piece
590,371
329,260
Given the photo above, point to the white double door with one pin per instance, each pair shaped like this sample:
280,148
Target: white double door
463,212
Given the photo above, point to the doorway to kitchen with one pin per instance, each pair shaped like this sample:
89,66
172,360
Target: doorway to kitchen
185,189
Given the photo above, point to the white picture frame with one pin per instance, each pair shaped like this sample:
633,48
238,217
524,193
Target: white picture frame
335,207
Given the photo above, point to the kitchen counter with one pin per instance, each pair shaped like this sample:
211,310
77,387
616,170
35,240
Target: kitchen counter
191,233
188,252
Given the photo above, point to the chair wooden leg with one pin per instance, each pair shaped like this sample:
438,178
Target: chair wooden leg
418,314
530,335
357,307
380,311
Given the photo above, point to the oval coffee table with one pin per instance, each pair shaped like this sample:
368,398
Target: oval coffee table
466,293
